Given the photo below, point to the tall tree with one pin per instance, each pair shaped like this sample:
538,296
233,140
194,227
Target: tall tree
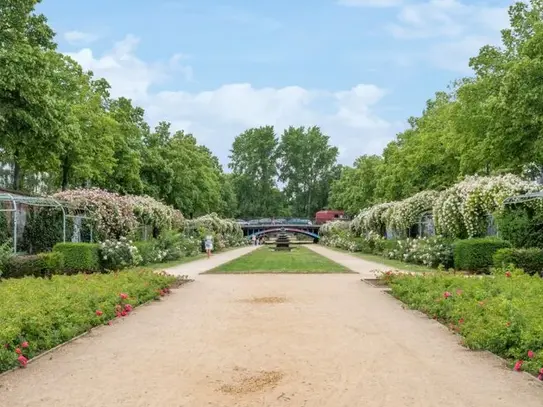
306,164
254,168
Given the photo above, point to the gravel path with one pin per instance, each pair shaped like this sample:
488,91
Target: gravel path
270,340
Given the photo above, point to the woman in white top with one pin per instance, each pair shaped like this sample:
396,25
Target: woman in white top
209,245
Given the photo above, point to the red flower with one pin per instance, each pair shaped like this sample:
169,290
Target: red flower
508,274
24,344
22,360
161,292
540,377
128,307
118,314
446,294
518,365
18,351
123,313
99,313
531,354
461,321
123,296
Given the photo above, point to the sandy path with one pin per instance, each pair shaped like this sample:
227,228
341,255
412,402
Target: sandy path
333,342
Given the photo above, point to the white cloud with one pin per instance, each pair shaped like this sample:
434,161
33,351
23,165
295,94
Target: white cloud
370,3
79,37
216,116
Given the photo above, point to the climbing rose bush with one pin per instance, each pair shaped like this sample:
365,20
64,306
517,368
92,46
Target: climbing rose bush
404,214
373,219
462,210
334,228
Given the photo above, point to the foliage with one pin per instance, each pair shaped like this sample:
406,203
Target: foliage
522,225
150,252
225,232
408,212
21,266
53,263
529,260
43,229
6,252
79,257
334,228
307,166
476,254
119,254
462,210
500,314
46,313
5,234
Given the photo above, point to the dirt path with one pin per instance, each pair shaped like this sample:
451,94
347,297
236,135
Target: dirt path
270,340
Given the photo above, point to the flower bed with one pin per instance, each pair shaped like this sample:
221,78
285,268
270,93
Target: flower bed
38,314
500,314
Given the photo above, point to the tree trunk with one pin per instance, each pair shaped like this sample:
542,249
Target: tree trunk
65,173
16,171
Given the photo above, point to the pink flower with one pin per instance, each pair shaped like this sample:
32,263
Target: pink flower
128,307
22,360
123,314
531,354
99,313
518,365
110,323
540,377
24,344
18,351
123,296
446,294
507,274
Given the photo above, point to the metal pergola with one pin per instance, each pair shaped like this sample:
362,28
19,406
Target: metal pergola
16,201
532,196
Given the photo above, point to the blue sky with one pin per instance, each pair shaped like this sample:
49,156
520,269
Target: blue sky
357,68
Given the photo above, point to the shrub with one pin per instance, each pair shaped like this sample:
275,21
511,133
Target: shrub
529,260
79,257
43,229
21,266
119,254
522,226
501,314
6,253
53,263
46,313
476,254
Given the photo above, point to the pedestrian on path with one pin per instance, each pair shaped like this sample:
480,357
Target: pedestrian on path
209,245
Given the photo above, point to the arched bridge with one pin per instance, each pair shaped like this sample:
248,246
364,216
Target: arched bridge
258,230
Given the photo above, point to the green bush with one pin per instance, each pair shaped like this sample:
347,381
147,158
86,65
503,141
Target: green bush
6,253
22,266
521,226
476,254
43,229
501,314
53,263
148,251
45,313
79,257
529,260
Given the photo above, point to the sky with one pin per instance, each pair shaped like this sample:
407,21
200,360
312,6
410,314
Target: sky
356,68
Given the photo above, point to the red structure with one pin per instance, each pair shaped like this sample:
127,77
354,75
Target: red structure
327,216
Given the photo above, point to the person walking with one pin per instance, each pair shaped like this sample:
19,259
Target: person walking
209,245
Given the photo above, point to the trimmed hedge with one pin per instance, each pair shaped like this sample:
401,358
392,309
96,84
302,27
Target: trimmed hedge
39,265
477,254
79,257
529,260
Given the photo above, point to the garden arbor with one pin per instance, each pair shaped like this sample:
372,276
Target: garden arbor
17,210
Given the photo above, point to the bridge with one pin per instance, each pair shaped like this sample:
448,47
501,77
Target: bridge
264,229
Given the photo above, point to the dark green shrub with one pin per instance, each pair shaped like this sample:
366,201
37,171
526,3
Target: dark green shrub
521,226
43,229
476,254
5,233
53,263
79,257
529,260
21,266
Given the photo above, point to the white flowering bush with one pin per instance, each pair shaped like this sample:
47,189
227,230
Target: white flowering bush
334,228
225,232
428,251
404,214
373,219
119,254
462,210
154,213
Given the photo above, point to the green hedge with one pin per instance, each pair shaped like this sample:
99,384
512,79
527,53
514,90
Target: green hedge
39,265
529,260
79,257
477,254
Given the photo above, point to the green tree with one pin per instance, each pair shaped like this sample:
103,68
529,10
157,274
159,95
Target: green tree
253,161
306,166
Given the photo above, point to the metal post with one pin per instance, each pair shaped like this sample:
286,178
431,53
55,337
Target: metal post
63,220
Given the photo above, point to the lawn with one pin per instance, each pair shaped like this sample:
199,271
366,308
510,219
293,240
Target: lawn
265,260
